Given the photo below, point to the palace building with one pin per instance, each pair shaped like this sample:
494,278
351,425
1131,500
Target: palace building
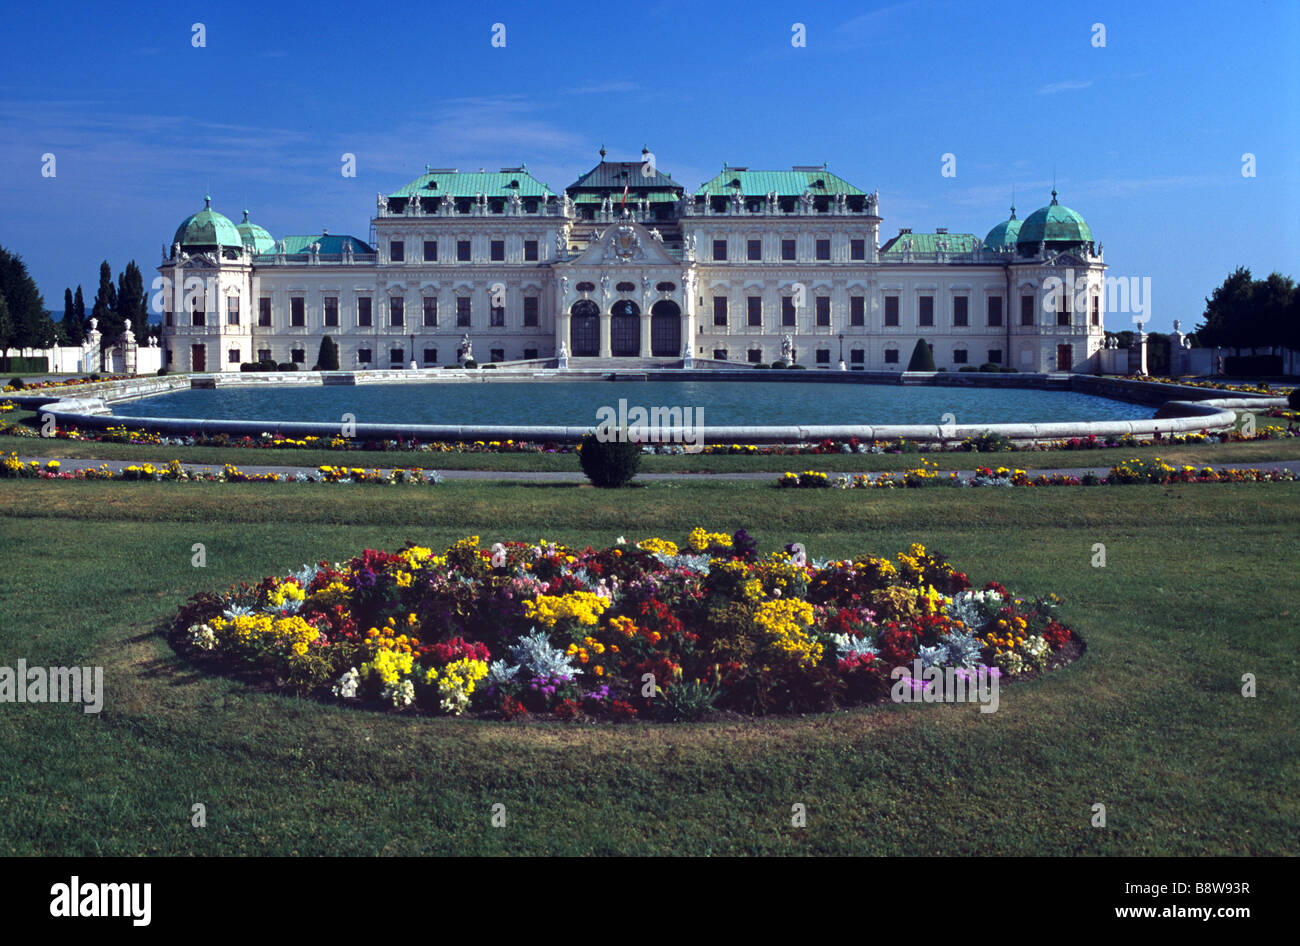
626,263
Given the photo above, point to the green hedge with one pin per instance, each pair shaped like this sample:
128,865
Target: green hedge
39,365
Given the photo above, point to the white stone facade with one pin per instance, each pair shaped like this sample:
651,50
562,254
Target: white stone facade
537,279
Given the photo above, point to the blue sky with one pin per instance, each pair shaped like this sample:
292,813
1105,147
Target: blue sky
1144,137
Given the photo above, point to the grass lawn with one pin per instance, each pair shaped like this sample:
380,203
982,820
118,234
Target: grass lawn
1198,589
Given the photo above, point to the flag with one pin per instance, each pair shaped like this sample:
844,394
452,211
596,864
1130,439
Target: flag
624,203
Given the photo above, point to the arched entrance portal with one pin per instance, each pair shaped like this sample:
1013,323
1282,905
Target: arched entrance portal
625,329
665,329
584,329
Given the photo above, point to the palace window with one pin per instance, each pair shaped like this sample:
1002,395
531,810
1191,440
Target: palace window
823,356
960,311
925,310
995,311
365,356
1062,309
755,356
995,356
823,309
1096,310
431,356
397,355
364,318
430,311
719,250
959,356
530,251
168,317
823,249
232,310
530,311
397,251
787,249
754,306
586,287
666,287
298,311
1026,310
497,316
397,311
891,311
431,251
497,354
891,356
462,311
787,311
754,250
858,311
264,354
857,358
332,311
530,354
298,356
462,251
198,316
719,310
857,249
626,287
498,249
720,354
232,356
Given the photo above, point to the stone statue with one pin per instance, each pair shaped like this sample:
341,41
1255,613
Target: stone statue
564,351
466,350
604,286
806,201
126,327
645,287
689,245
564,287
447,206
656,235
515,204
94,325
568,205
787,347
1176,326
381,202
413,206
561,243
841,204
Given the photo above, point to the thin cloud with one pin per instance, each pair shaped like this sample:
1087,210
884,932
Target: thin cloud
1069,85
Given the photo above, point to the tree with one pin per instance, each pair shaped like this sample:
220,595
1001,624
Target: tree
6,325
1270,302
29,325
105,309
922,357
79,309
1226,312
328,359
72,329
131,301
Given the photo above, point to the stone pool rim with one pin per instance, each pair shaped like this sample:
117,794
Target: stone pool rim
1181,408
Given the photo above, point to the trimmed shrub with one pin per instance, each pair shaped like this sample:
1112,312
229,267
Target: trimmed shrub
163,371
286,366
470,363
17,384
780,364
922,358
488,365
328,358
968,368
609,464
990,368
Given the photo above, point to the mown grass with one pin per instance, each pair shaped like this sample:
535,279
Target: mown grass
1198,589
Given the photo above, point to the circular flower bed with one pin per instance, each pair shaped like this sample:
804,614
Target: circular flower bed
651,630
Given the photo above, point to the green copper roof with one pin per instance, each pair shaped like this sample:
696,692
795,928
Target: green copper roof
609,176
785,183
595,197
331,244
1053,224
435,184
929,243
207,228
256,237
1003,236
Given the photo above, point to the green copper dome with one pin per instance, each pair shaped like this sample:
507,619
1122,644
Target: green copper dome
1003,236
207,229
256,237
1054,225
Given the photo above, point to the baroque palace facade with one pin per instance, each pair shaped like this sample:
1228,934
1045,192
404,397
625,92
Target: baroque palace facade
626,263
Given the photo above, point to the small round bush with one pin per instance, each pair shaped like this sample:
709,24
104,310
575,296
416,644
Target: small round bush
163,371
609,464
17,384
287,366
780,364
470,363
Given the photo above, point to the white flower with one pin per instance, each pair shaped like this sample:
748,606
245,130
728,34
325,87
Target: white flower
347,685
401,695
620,541
498,556
202,637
